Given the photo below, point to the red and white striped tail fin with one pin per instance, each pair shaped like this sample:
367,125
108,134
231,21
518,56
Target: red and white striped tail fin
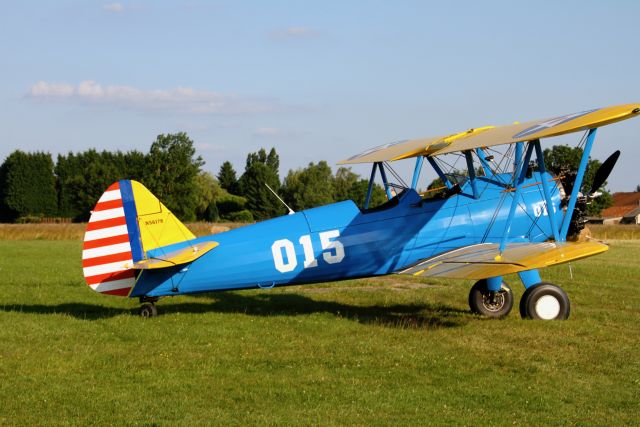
107,253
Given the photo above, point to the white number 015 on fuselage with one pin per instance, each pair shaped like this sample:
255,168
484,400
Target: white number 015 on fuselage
487,222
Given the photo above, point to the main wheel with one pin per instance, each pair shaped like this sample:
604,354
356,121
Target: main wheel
148,310
490,303
545,301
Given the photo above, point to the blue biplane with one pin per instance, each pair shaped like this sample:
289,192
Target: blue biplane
498,218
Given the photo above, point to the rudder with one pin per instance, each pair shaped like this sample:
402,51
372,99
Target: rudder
127,221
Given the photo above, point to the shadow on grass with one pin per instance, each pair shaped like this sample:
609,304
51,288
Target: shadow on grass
291,304
398,316
77,310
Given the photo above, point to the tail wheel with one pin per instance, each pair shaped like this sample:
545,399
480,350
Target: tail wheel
545,301
490,303
148,310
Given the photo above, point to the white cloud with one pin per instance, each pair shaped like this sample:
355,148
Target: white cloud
294,33
180,99
54,89
113,7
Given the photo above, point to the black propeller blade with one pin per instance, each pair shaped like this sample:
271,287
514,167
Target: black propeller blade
603,171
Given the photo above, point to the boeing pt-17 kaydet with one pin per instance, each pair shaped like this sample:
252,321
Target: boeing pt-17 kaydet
503,216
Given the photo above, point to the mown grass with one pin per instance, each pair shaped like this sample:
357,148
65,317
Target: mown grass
615,232
76,231
389,351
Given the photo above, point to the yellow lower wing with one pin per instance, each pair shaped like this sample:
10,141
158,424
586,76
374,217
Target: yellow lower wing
484,260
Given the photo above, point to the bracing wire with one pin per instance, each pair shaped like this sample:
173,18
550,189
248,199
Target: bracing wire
395,174
583,140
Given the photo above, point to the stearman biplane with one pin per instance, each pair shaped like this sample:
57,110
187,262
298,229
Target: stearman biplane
500,217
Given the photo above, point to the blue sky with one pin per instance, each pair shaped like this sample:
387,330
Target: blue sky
316,80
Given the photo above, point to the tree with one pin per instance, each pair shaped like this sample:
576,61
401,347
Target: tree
434,186
309,187
130,165
348,185
227,178
228,204
343,181
171,171
211,214
207,191
82,178
637,188
273,160
260,169
27,186
64,172
358,193
456,176
564,161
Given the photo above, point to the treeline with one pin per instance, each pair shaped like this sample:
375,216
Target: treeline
32,186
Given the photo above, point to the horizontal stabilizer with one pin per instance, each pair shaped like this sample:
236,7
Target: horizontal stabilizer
485,260
179,257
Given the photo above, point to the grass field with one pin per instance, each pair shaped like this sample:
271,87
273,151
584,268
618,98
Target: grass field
389,351
75,231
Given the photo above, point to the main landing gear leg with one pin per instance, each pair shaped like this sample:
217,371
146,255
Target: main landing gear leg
148,307
491,298
541,300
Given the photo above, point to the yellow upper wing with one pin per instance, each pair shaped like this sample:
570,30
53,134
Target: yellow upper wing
484,260
399,150
496,135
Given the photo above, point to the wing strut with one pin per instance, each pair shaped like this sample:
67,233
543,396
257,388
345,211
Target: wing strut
387,187
370,188
578,183
441,174
383,174
545,189
416,171
472,173
488,172
518,178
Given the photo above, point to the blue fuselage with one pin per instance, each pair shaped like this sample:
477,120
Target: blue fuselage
339,241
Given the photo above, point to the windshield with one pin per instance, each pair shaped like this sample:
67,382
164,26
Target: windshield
394,201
